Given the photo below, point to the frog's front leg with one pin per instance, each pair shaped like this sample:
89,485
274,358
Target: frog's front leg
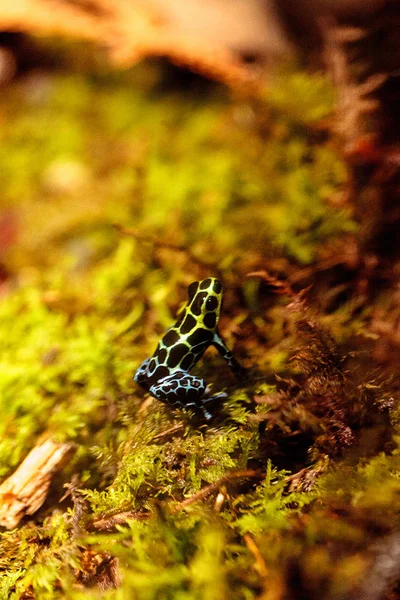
227,355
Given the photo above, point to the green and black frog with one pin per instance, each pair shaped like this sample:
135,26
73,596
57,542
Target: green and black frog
166,373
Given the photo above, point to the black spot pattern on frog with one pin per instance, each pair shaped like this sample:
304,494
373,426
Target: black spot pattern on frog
217,286
188,324
197,304
180,389
176,355
205,284
200,336
192,289
210,320
152,366
188,361
160,372
171,337
211,303
162,355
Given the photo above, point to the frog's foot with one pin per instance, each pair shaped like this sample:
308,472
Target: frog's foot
211,399
207,415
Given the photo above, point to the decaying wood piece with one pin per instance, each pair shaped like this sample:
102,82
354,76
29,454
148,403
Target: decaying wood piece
131,30
24,492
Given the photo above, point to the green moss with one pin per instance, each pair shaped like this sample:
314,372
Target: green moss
244,185
165,164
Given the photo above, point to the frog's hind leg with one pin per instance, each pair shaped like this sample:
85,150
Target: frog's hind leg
182,390
179,389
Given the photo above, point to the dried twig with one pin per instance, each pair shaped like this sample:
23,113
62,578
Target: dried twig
109,523
168,432
146,237
303,480
214,487
259,564
279,287
283,288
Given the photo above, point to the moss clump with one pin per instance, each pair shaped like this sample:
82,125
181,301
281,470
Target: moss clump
187,166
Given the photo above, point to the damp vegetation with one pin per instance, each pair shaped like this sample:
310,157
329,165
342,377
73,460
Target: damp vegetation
118,191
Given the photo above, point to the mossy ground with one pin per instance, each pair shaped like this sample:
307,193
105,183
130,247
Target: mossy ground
243,186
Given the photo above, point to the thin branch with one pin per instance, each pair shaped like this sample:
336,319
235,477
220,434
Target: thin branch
214,487
168,432
259,565
279,287
109,523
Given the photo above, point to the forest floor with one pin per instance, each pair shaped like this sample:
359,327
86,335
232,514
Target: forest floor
118,191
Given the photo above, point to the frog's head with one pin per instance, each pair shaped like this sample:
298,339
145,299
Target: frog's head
205,300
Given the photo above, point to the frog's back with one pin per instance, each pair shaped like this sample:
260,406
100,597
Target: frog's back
185,342
182,346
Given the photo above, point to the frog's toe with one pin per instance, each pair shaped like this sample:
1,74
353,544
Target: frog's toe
207,415
214,397
211,399
209,396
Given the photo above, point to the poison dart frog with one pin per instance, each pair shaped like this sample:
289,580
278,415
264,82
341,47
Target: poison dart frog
166,373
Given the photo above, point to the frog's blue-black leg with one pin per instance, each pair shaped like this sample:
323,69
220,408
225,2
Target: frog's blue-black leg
179,389
227,355
182,390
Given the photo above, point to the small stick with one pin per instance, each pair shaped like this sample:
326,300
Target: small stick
168,432
214,487
259,564
109,523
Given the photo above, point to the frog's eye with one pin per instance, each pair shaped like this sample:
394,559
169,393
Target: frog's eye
211,303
